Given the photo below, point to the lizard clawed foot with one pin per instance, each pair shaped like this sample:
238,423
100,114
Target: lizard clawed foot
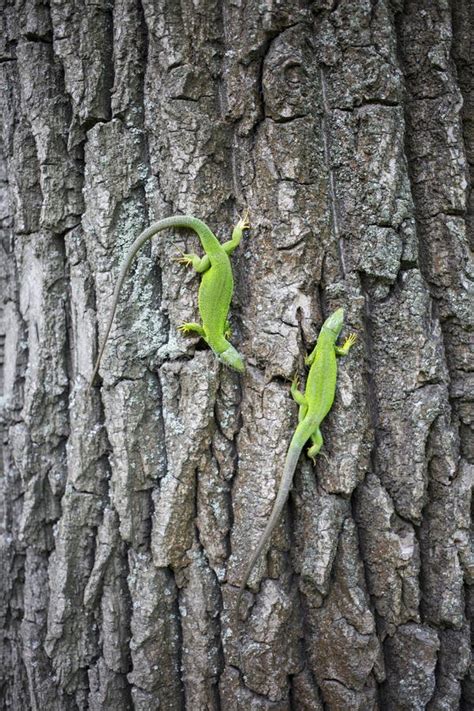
244,222
309,358
183,258
188,329
350,340
295,381
192,329
318,453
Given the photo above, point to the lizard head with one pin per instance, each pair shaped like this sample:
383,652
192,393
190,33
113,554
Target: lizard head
335,322
232,358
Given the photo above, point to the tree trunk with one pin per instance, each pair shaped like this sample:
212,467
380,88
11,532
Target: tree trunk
129,511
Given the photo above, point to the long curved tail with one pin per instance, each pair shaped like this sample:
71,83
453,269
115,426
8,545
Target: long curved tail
209,242
294,450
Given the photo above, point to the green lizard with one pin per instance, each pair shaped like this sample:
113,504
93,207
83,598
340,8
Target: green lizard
215,290
314,404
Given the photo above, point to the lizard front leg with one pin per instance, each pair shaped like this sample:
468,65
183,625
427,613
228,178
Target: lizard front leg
345,348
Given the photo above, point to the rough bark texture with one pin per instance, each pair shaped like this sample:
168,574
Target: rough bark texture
128,512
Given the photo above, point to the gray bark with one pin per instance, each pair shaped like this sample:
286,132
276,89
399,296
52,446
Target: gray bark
128,512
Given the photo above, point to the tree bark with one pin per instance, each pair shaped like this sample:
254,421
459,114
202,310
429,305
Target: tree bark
128,512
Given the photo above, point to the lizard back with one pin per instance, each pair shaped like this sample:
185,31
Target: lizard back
215,294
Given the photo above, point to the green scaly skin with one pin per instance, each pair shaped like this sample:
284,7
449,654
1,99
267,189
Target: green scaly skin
315,404
215,290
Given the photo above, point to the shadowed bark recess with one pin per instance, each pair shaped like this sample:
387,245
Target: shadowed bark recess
128,512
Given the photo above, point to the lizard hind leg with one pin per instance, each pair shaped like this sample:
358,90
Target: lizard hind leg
317,440
199,264
243,224
190,329
296,394
299,398
302,412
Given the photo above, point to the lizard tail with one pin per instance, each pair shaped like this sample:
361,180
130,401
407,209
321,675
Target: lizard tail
208,241
294,450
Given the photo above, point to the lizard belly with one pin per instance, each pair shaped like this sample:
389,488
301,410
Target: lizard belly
215,294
